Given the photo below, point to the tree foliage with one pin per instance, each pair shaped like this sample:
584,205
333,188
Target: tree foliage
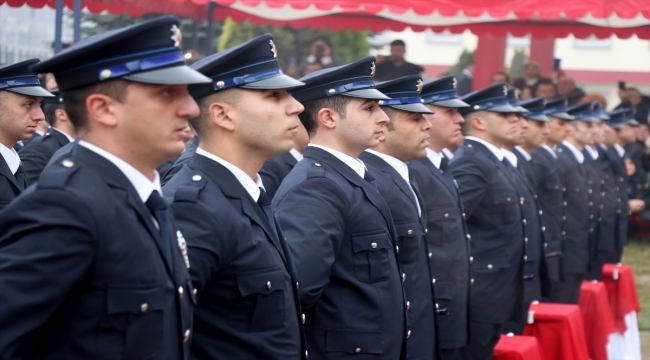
465,58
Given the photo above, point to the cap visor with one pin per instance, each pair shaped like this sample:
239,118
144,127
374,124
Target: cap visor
367,94
540,118
504,109
177,75
562,115
31,91
616,126
632,122
589,119
450,103
522,109
276,82
414,108
603,117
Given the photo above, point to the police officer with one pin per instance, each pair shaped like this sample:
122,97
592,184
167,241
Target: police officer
549,184
20,113
184,158
247,300
446,233
338,227
277,168
41,149
494,217
403,139
577,227
91,264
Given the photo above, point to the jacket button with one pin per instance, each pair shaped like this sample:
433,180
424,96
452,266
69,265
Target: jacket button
489,267
317,164
618,199
297,285
545,245
591,230
408,334
306,354
430,255
68,163
471,282
397,249
357,350
543,228
196,178
408,305
525,258
303,318
144,307
446,216
433,281
591,216
564,189
563,232
186,336
181,292
508,199
524,221
194,292
373,245
591,204
564,203
463,215
541,212
410,232
526,240
268,284
469,237
602,181
563,217
426,231
403,277
535,196
471,259
589,191
618,211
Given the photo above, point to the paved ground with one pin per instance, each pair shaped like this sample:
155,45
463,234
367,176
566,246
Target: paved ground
645,345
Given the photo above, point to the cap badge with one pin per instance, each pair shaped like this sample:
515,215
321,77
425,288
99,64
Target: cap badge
176,36
373,68
274,50
454,83
419,85
505,90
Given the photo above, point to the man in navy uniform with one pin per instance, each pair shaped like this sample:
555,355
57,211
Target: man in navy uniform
247,298
446,233
549,184
20,114
404,138
535,275
576,257
494,217
41,149
91,263
277,168
338,227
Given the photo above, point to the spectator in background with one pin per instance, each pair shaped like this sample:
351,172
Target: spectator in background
636,149
500,77
321,56
526,93
465,80
395,65
546,88
594,97
532,75
566,86
632,98
638,187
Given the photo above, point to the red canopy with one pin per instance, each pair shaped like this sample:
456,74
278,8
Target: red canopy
540,18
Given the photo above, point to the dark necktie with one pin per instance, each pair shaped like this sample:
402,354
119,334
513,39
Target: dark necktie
158,208
265,204
370,179
20,177
444,164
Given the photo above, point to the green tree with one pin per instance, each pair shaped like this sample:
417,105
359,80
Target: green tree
465,58
518,63
347,45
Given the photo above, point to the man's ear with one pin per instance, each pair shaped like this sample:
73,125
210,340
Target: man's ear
478,122
223,115
103,109
328,118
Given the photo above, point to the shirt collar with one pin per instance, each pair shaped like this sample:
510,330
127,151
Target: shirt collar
296,154
523,152
11,158
434,157
619,150
550,150
592,152
578,155
356,164
39,132
252,186
448,154
397,164
70,138
143,186
510,156
495,150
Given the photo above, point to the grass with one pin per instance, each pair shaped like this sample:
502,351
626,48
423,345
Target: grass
638,257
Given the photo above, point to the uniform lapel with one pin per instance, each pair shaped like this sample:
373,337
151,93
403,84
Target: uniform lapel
6,172
385,167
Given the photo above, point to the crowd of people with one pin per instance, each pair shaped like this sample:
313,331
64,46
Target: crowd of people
225,210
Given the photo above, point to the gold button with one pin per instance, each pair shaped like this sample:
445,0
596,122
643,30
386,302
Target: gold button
144,307
373,245
268,284
410,232
187,335
357,350
180,292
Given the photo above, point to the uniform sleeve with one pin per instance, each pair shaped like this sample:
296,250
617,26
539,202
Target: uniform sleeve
538,171
33,159
312,219
46,249
205,242
472,183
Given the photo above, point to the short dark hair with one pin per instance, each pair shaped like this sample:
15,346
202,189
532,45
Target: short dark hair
391,113
74,101
324,38
545,81
50,112
198,123
505,74
398,42
309,117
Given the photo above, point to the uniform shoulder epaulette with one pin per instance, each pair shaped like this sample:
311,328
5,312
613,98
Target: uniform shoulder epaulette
190,193
316,169
59,174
